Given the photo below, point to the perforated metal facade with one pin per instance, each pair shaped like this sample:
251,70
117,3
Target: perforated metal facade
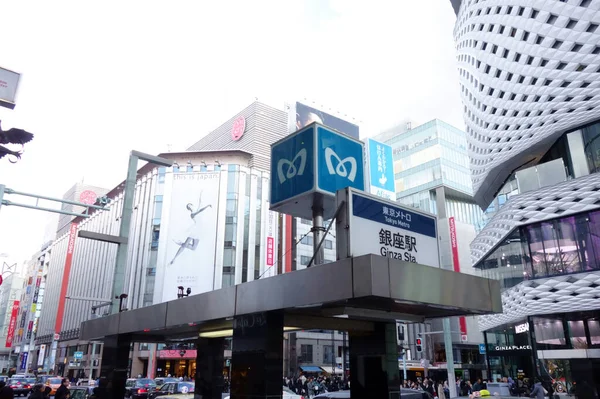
529,71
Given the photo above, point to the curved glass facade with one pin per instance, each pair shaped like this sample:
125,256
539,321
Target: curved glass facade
561,246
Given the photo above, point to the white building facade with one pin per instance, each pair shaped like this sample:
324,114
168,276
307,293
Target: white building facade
529,84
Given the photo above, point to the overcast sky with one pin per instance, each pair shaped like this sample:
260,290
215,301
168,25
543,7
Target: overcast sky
102,78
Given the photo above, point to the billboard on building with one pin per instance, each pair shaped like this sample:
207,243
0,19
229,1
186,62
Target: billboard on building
9,81
41,355
12,324
381,170
187,240
270,247
306,115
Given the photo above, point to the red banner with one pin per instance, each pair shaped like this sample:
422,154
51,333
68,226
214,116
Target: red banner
456,264
65,278
270,250
12,324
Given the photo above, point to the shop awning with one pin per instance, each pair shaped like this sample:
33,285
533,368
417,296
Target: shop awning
311,369
331,370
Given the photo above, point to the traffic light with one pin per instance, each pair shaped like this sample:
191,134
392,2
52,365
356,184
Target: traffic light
419,345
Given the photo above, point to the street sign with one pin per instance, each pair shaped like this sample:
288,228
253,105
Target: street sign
382,227
78,355
9,82
312,164
381,170
482,349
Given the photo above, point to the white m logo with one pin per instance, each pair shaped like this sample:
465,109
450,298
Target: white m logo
292,170
340,169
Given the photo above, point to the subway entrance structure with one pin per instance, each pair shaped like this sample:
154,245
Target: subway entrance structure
362,295
315,172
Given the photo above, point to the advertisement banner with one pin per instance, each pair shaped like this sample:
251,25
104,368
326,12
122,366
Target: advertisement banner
306,115
23,361
12,324
383,228
41,355
188,233
456,265
9,82
381,170
65,277
272,227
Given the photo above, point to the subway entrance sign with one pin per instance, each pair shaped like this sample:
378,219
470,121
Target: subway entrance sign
381,227
310,165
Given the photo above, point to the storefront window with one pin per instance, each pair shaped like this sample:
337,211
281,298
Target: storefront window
594,237
594,327
568,249
551,249
538,260
549,333
577,334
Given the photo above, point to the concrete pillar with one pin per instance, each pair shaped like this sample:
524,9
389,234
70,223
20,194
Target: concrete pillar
115,364
374,369
209,368
257,356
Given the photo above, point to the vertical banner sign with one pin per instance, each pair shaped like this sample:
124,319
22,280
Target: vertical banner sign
456,264
381,170
41,355
187,240
272,226
12,324
24,361
65,278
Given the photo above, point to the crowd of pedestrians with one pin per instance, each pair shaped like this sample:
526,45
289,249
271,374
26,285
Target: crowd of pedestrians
312,386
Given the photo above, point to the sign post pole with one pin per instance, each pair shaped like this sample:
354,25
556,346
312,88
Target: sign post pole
449,358
317,213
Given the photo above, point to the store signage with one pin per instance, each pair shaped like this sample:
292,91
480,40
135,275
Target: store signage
314,162
23,361
78,355
513,348
521,328
239,126
41,355
12,324
482,349
381,227
381,170
9,82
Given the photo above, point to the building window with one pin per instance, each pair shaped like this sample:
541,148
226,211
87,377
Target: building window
328,244
306,352
304,260
328,357
307,240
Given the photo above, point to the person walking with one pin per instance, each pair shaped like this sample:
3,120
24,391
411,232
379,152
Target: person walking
63,391
538,391
6,392
37,392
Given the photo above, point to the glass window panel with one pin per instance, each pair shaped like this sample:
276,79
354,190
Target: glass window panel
591,139
594,237
569,250
538,259
594,327
576,151
552,250
577,334
549,333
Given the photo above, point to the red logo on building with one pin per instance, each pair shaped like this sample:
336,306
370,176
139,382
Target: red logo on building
88,197
239,125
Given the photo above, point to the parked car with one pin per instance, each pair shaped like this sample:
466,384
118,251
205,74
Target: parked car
288,394
41,378
20,386
171,388
160,381
138,388
81,391
54,383
86,382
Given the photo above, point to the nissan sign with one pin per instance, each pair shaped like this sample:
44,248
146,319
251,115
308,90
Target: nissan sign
9,82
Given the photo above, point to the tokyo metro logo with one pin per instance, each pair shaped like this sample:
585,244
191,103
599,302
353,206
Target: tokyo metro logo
340,169
292,170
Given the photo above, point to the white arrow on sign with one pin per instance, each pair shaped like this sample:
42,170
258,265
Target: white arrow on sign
382,180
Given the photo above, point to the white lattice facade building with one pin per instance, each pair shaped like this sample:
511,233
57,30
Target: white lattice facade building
529,76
